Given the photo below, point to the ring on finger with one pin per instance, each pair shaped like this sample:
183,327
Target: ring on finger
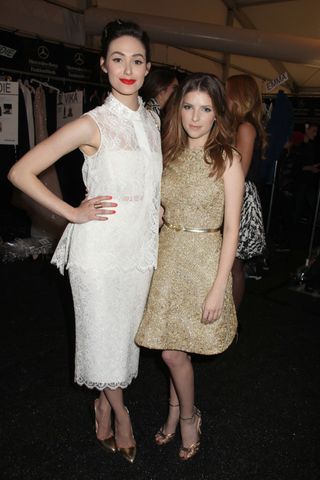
97,205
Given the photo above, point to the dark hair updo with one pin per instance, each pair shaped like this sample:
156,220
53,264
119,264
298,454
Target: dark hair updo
120,28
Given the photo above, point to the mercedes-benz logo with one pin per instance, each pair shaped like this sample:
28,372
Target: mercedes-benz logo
78,59
43,52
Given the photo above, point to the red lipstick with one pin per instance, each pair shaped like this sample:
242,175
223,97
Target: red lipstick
127,81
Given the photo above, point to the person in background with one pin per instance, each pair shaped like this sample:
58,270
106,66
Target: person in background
308,178
110,254
190,307
287,178
158,88
245,106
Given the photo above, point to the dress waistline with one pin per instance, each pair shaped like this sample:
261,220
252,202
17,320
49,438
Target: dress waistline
180,228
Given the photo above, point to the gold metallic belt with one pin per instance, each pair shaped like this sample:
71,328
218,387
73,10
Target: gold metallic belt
180,228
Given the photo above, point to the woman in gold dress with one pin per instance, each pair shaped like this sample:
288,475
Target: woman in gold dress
190,307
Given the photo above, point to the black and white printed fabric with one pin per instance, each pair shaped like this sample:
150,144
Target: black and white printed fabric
252,240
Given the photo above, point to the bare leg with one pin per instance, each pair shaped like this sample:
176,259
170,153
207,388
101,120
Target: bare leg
123,429
238,282
181,371
103,417
169,428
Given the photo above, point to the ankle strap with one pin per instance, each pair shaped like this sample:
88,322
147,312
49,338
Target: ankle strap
187,418
196,411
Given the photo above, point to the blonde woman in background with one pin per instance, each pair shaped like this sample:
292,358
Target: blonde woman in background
245,105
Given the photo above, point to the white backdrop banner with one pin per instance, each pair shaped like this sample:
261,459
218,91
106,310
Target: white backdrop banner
9,113
69,107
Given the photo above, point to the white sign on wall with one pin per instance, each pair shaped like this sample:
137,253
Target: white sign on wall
69,107
9,113
271,84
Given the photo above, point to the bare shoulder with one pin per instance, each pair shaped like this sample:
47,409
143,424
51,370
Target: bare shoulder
246,129
82,126
91,134
85,122
79,132
234,158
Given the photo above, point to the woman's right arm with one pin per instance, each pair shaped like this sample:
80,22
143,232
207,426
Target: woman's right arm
83,133
246,135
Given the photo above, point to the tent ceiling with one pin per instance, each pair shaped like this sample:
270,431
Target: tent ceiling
250,3
258,18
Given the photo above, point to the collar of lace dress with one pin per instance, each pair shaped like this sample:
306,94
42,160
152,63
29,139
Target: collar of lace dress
122,110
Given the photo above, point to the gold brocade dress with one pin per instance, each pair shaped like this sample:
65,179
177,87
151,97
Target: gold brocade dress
188,263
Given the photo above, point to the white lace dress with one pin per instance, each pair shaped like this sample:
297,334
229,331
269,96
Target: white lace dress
111,263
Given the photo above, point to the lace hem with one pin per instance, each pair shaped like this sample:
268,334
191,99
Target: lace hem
101,386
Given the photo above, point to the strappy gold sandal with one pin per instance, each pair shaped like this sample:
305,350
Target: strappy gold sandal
192,450
162,438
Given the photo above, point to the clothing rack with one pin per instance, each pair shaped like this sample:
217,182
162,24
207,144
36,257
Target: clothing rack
9,71
44,84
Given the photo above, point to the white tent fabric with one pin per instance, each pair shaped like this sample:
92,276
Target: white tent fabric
261,37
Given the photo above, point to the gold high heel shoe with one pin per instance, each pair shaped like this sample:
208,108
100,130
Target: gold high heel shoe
109,443
162,438
129,453
193,449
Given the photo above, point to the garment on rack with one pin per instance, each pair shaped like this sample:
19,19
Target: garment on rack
29,112
40,114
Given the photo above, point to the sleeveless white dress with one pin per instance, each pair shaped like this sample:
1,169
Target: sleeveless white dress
111,263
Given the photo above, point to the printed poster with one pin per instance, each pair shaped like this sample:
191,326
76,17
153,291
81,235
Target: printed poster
69,107
9,113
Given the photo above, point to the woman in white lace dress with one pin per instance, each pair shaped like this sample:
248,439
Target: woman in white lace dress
110,244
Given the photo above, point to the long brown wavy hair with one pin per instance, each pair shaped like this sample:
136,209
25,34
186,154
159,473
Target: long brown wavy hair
246,105
219,145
